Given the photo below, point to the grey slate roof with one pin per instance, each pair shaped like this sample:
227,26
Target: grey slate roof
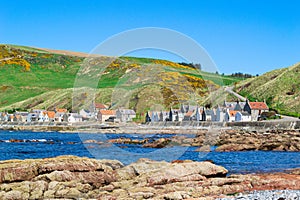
232,105
127,111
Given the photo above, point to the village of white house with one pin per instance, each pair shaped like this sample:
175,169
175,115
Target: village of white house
227,112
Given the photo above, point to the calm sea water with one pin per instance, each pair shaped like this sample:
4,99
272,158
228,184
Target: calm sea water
50,144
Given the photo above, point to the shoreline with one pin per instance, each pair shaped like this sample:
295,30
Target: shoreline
72,177
152,128
225,138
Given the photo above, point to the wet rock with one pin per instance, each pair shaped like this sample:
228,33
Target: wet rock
90,141
16,140
204,148
159,143
294,171
236,147
272,140
127,141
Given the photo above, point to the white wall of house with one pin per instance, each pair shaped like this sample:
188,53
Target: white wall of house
71,119
46,118
102,118
239,117
41,117
124,115
220,115
228,117
198,115
208,117
180,116
74,118
246,118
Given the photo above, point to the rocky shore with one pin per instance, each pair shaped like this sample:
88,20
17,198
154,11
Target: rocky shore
71,177
226,140
269,140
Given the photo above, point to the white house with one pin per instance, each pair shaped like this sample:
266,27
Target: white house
86,114
230,115
4,117
163,115
41,117
46,118
58,117
74,118
125,115
208,115
32,117
255,109
155,116
104,115
242,117
220,114
198,115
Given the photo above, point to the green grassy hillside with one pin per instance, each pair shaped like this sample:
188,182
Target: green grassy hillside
280,88
41,78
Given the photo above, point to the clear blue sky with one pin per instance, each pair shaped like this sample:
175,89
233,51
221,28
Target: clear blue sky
252,36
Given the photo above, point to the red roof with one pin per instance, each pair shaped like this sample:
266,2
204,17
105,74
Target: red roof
232,112
100,106
189,113
51,114
258,106
61,110
107,112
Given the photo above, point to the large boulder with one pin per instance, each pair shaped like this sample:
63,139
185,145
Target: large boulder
236,147
94,178
161,172
17,170
186,171
142,166
76,164
159,143
26,170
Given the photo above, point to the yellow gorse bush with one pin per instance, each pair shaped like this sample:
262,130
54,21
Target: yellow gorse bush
17,61
13,57
171,64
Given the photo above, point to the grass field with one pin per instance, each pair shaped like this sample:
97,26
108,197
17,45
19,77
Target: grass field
280,88
34,78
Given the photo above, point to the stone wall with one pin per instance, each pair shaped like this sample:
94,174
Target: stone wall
259,124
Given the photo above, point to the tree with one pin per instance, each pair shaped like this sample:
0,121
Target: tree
192,65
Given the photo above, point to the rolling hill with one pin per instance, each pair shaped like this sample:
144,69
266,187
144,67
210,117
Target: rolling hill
42,78
280,88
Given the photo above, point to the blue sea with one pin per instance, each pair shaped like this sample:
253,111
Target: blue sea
50,144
